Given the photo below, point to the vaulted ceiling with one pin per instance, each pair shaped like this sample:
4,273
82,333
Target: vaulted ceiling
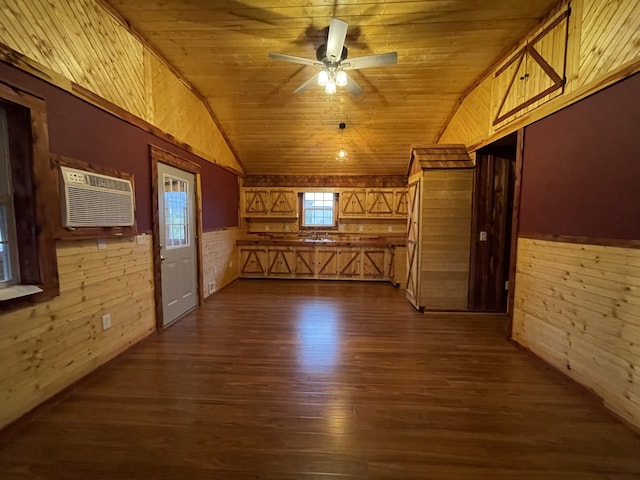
221,48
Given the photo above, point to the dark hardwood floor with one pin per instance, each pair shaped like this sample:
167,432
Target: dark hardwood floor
322,380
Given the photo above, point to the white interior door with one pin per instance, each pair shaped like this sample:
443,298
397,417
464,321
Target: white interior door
176,205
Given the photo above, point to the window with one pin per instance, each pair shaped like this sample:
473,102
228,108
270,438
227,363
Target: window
318,209
9,274
29,204
176,208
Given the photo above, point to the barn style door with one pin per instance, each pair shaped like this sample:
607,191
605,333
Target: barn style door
413,242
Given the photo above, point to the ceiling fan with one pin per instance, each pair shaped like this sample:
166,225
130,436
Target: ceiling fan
331,59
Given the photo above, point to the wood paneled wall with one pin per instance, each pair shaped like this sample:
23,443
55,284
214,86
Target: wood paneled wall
47,347
445,241
578,307
219,258
81,42
87,45
177,109
602,48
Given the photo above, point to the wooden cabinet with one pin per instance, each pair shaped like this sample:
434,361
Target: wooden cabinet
380,203
330,262
281,261
270,203
283,202
349,262
305,262
438,236
373,203
256,202
534,74
352,203
400,202
327,262
253,261
374,263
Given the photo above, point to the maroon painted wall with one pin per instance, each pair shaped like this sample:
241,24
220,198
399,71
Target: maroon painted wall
581,168
84,132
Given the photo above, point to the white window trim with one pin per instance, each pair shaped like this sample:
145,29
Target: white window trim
333,212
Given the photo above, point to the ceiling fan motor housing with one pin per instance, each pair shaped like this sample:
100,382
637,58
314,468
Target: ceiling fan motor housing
321,54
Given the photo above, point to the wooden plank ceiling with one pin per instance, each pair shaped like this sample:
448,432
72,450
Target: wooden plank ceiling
221,48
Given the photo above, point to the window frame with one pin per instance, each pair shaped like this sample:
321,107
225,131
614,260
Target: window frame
332,226
35,198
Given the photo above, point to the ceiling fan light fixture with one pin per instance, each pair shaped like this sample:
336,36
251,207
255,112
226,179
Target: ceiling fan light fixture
323,76
341,78
330,87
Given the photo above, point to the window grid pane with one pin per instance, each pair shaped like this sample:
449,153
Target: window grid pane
318,209
176,207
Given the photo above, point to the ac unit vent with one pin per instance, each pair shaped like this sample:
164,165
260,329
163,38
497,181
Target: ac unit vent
94,200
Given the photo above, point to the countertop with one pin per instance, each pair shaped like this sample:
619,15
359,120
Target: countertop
311,242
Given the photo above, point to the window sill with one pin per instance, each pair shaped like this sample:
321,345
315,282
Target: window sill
17,291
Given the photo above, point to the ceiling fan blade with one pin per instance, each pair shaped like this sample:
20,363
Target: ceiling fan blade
312,81
378,60
335,39
291,59
352,86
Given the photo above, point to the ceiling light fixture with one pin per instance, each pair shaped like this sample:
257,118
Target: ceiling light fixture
342,154
331,77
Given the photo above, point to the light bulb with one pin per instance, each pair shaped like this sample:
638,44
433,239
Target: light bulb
330,87
341,78
342,153
323,76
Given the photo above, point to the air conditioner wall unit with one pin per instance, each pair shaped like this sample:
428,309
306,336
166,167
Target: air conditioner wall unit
94,200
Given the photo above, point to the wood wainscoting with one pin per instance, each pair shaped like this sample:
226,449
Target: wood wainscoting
577,306
285,380
47,347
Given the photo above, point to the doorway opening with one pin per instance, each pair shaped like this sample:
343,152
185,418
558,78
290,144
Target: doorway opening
493,225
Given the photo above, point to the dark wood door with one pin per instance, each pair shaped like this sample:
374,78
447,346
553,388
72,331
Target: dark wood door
491,229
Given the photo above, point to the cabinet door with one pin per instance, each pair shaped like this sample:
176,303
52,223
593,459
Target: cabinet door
534,74
413,244
349,262
352,203
281,261
253,261
256,202
305,262
400,203
374,262
327,262
283,202
380,202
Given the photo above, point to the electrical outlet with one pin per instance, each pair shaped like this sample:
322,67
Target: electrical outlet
102,244
106,321
389,228
266,228
286,227
212,287
141,239
361,228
